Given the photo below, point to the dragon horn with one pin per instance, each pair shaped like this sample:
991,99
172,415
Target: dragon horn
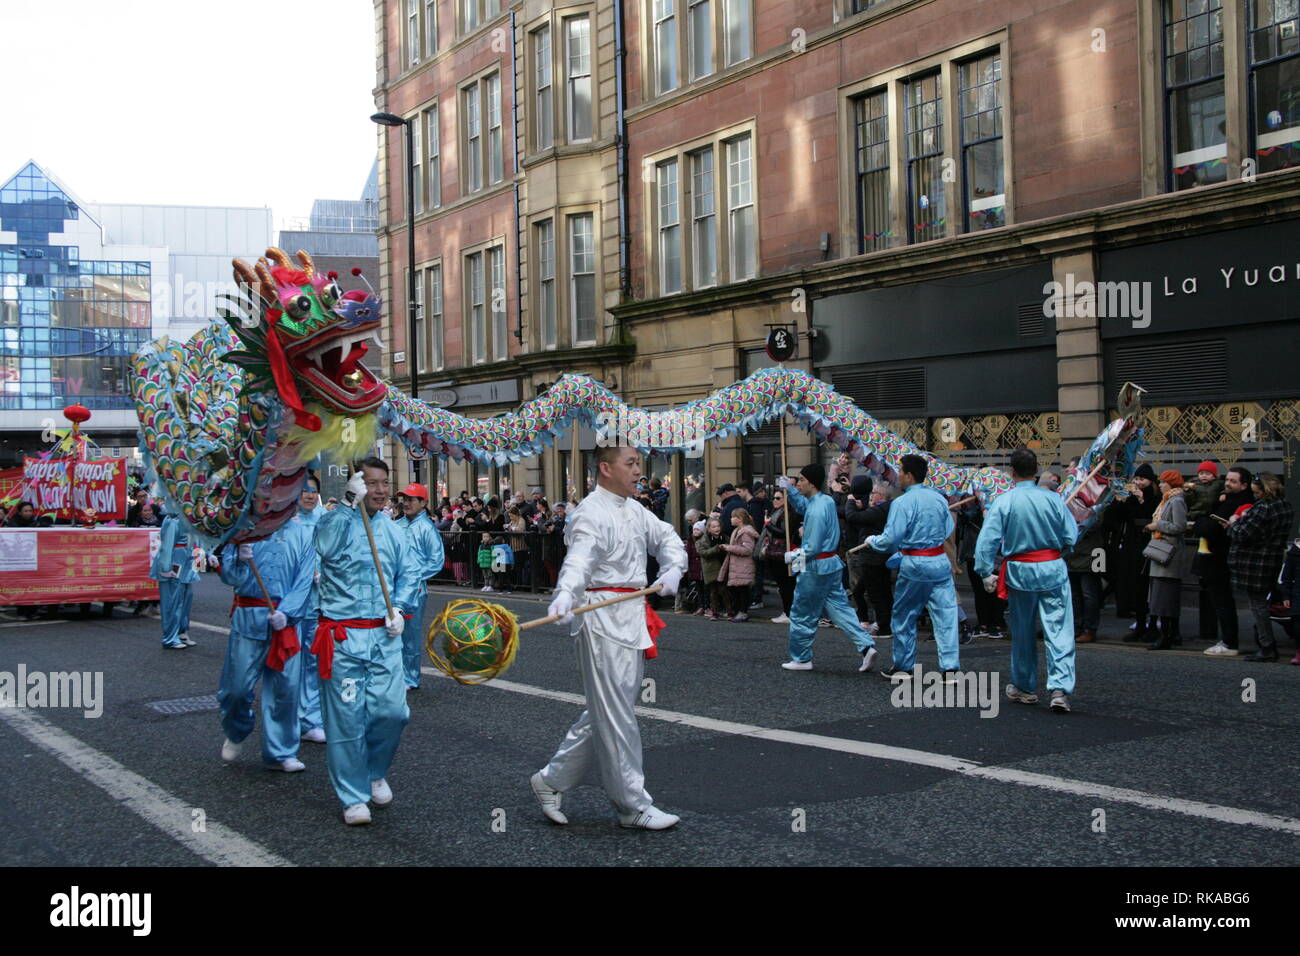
307,264
268,286
244,275
278,257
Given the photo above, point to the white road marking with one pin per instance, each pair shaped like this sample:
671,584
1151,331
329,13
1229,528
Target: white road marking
971,768
173,816
211,627
34,623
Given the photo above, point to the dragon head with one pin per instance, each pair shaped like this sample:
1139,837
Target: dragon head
305,337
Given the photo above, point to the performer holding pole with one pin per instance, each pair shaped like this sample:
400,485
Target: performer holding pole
173,569
1032,528
272,581
919,523
820,588
608,536
426,548
368,580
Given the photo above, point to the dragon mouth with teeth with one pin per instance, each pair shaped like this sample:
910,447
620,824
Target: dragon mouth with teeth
329,366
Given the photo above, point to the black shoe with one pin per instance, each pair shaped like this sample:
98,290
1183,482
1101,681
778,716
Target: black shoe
1163,643
890,672
1261,657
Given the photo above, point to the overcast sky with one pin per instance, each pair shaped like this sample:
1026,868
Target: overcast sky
191,102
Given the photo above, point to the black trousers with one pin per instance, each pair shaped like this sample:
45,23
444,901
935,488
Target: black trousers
990,610
872,583
1218,611
785,582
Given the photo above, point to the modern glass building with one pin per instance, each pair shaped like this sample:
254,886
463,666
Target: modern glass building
83,287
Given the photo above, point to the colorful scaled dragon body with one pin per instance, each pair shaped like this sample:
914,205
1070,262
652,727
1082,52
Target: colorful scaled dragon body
231,420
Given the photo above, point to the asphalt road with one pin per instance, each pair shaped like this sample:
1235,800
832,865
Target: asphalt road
1162,762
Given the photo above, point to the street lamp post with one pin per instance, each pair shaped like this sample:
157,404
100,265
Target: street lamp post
412,346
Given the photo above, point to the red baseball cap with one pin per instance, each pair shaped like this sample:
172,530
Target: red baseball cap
416,491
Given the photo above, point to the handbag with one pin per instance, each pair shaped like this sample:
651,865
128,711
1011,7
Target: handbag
1159,550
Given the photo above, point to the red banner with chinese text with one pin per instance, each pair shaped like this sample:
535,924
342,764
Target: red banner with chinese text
64,487
75,566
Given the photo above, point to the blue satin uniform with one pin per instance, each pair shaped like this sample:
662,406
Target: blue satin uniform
1030,518
286,564
426,549
175,595
364,701
820,588
309,717
918,520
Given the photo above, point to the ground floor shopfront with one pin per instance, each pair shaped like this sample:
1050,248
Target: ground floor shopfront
970,347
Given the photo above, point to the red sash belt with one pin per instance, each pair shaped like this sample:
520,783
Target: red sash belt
922,552
327,632
653,622
824,554
284,642
1032,557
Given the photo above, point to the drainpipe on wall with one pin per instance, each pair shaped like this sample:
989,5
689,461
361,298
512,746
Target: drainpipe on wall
514,111
624,240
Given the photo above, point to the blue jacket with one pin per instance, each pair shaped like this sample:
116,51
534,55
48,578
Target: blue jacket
426,543
919,519
309,520
349,584
821,531
285,562
1027,518
174,548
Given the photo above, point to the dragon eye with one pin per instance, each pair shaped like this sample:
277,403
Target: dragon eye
330,294
299,307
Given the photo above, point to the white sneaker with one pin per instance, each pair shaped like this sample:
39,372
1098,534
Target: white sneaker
548,798
314,736
952,677
230,751
868,660
652,819
486,587
380,792
292,765
780,619
356,814
797,665
185,639
825,622
1220,650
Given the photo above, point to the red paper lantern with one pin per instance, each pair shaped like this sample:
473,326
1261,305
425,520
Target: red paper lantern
77,413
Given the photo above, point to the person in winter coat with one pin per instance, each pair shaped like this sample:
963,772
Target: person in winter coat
990,610
1086,584
1128,518
1258,539
712,554
1218,609
1203,494
865,511
738,567
772,548
1169,523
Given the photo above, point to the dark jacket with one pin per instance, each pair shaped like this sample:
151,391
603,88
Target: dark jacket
859,524
728,506
711,554
759,509
1214,565
1258,543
